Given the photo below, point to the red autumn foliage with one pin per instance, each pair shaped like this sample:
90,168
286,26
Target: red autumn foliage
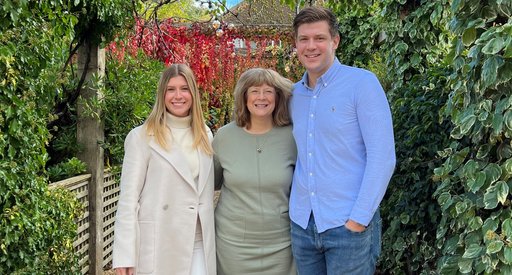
214,59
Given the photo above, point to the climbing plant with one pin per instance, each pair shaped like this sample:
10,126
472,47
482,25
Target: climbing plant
475,231
38,40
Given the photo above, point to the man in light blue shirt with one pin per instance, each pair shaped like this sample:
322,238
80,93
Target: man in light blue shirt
346,155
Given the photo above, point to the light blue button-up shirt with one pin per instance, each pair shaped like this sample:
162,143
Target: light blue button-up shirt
346,151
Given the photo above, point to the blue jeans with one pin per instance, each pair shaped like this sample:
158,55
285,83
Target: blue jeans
337,250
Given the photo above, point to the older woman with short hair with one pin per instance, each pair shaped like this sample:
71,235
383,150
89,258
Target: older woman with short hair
254,161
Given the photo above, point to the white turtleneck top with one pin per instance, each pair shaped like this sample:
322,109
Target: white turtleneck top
182,137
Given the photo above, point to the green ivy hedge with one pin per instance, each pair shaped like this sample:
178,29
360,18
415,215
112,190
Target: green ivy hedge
475,231
448,65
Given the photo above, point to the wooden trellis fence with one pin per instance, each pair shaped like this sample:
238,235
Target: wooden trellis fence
110,195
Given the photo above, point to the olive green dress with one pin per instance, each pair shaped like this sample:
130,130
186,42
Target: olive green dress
251,218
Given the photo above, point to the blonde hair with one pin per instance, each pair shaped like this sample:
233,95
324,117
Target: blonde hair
156,122
258,77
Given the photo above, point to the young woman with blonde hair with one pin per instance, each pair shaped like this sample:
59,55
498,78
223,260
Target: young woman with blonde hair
164,221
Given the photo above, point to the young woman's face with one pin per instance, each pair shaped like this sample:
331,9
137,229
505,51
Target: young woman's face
178,97
261,101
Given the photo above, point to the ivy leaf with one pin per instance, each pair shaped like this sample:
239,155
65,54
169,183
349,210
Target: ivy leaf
504,151
401,47
469,36
472,251
475,223
494,246
505,73
483,151
466,124
461,207
445,200
507,166
493,172
506,227
465,265
494,45
488,13
404,218
497,124
508,51
451,245
469,168
508,119
502,191
490,71
456,5
507,253
491,198
478,182
490,225
448,265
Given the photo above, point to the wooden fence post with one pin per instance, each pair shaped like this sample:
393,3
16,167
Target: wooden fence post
89,135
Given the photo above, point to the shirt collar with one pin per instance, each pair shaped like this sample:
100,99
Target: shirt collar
326,78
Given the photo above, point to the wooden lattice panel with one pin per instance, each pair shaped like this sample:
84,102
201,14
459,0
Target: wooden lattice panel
80,186
110,198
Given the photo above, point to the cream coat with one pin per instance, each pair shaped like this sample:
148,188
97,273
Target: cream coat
158,209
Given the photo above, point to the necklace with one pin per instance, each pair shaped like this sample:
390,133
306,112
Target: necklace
259,135
260,146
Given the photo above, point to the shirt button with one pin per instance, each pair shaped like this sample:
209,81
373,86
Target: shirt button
310,174
314,97
312,193
311,115
310,134
310,154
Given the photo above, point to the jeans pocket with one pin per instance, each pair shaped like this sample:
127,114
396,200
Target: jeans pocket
357,232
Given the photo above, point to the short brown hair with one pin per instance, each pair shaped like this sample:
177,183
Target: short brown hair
258,77
313,15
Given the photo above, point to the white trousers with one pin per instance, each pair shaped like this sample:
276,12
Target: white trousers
198,259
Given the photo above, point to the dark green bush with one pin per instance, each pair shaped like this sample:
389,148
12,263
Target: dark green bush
63,170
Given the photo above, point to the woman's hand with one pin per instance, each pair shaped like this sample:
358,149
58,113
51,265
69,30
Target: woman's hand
354,226
125,271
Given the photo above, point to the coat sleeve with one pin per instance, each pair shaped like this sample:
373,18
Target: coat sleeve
133,175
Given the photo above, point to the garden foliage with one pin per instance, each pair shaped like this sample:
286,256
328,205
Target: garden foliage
475,231
447,69
36,226
37,39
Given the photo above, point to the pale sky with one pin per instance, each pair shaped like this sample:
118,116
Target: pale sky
231,3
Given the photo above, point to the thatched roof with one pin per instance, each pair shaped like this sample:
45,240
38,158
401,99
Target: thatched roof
260,13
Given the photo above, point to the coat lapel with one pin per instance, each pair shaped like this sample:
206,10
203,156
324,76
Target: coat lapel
176,158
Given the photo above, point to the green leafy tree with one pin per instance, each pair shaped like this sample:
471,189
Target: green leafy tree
37,42
179,10
36,226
